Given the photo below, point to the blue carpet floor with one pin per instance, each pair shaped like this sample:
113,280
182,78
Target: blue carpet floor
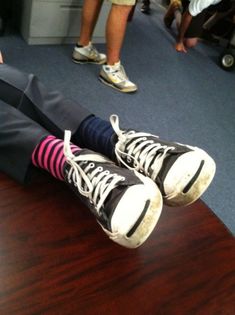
183,97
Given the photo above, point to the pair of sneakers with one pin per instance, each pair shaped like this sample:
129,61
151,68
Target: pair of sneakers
126,195
111,75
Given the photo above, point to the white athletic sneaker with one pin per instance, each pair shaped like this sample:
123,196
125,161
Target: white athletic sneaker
182,172
115,76
88,54
126,204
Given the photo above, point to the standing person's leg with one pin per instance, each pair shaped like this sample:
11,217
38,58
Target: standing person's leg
113,74
90,13
115,31
126,204
84,51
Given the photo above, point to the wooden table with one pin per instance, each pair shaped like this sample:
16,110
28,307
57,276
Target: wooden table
55,259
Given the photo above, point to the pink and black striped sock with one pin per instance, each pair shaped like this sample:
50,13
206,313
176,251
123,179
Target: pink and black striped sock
49,155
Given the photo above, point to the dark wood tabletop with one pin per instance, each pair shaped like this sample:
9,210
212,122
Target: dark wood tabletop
55,259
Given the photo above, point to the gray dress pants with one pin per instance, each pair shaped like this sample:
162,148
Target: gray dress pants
29,113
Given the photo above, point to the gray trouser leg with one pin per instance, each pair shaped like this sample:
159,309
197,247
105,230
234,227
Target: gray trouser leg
48,108
19,135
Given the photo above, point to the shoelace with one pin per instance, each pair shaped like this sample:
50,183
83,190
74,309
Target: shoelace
93,52
119,73
95,183
144,154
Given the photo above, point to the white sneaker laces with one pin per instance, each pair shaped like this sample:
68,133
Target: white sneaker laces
95,183
118,72
141,150
93,52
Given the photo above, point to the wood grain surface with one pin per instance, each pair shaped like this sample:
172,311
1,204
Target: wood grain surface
55,259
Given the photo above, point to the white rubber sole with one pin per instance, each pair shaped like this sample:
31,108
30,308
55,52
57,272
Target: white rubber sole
148,222
126,90
82,62
198,188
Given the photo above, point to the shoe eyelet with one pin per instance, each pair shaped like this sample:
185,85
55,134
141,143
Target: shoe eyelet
128,159
136,165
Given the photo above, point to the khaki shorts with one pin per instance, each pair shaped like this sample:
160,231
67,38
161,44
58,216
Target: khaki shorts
123,2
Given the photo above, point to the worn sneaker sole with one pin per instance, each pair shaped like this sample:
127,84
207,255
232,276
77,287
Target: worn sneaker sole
125,90
88,61
202,182
148,220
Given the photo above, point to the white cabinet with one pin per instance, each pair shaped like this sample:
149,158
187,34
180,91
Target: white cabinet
57,21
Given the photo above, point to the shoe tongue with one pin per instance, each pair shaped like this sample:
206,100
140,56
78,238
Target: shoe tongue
130,177
177,148
117,64
115,67
89,45
171,156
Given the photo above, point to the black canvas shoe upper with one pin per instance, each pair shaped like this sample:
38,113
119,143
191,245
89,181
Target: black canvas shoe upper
125,203
98,177
176,168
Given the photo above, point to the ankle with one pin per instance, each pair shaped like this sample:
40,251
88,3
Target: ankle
83,44
115,66
113,62
49,155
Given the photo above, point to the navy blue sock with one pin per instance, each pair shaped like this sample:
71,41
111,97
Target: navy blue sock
96,134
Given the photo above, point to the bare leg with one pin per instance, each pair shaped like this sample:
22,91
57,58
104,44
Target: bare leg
173,11
115,31
178,18
191,42
90,14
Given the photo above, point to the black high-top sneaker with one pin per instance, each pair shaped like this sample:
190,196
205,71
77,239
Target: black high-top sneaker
126,204
182,172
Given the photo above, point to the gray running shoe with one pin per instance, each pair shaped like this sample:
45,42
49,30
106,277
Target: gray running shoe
182,172
88,54
126,204
115,76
